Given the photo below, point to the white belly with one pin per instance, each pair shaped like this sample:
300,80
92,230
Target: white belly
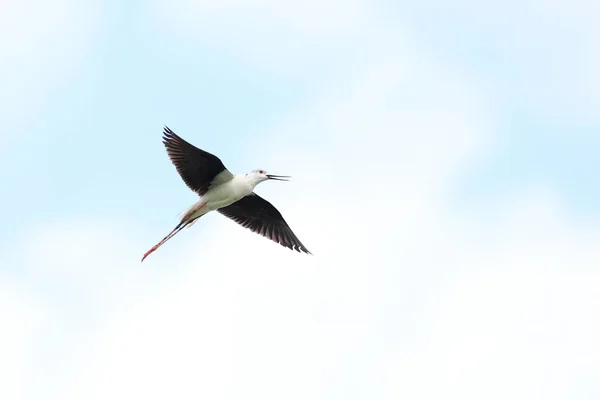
220,196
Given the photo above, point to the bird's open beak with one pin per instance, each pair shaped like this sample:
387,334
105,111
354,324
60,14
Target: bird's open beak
278,177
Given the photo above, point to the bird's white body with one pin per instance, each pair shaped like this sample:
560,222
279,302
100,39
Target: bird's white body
226,189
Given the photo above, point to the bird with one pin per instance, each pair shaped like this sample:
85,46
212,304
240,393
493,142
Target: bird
230,195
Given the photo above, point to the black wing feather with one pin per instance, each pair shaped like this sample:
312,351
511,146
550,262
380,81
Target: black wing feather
260,216
196,167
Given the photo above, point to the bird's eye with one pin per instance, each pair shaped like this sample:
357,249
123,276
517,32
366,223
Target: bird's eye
261,172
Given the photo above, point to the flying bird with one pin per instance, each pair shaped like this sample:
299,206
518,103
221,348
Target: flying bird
231,195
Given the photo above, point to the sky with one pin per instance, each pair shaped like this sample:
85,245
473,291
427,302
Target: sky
445,177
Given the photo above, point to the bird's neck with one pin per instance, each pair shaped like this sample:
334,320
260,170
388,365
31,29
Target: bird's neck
251,180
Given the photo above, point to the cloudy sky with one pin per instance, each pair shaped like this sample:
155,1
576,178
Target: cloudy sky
445,176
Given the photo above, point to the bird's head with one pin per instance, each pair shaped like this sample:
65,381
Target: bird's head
260,175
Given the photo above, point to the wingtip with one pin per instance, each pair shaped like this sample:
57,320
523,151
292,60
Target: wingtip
167,132
168,135
301,249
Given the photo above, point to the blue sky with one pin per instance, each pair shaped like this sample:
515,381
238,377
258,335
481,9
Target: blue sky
460,140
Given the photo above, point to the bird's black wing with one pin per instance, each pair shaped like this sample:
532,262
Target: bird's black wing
261,217
197,168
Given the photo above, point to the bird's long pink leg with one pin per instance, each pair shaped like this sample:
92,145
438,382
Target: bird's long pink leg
179,227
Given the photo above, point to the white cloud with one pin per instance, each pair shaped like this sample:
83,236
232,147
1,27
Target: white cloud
520,322
22,318
94,261
83,270
310,19
549,50
512,332
546,50
280,37
43,45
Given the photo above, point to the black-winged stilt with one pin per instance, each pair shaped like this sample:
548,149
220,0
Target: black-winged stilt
231,195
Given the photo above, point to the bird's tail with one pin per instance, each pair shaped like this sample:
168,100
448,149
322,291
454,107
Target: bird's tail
186,214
